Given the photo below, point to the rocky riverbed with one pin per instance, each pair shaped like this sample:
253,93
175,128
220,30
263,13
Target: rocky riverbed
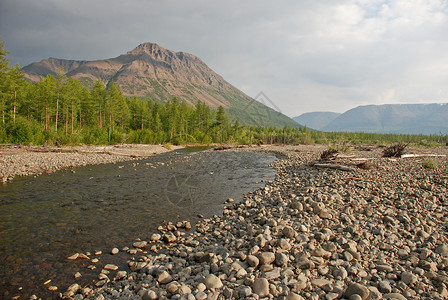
379,231
17,160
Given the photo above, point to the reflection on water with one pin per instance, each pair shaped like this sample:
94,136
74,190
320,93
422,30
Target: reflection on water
43,220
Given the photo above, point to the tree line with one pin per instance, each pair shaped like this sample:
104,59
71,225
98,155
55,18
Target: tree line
60,110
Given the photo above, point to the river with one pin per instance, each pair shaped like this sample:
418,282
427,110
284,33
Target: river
45,219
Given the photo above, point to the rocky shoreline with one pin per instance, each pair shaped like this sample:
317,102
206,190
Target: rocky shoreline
377,232
17,160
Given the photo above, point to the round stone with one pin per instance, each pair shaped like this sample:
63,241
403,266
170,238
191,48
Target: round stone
261,287
212,282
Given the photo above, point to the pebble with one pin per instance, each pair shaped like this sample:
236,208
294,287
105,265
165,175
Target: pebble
252,260
110,267
164,277
140,244
442,250
266,258
114,251
357,289
408,278
212,282
261,287
376,233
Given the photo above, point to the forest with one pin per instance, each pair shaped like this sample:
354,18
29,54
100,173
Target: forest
59,110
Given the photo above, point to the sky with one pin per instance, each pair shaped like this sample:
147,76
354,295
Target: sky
304,55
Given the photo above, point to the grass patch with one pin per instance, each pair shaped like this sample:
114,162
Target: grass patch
429,163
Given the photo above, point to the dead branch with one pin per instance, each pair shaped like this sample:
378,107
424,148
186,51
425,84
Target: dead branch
394,150
329,154
359,178
335,166
422,155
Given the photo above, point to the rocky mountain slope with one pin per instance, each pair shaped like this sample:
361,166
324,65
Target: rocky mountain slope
390,118
316,120
152,71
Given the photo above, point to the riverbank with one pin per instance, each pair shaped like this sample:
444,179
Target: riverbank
377,231
32,160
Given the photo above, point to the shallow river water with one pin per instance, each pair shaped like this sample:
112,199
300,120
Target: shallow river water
44,220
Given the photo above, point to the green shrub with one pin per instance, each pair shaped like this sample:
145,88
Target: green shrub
23,131
429,163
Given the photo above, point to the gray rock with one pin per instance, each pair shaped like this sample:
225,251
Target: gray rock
281,259
164,277
374,293
284,244
212,282
293,296
201,296
141,244
149,295
289,232
110,267
340,273
172,287
184,290
384,286
305,264
408,278
72,289
274,274
320,282
169,237
394,296
357,289
261,287
155,237
266,258
245,291
252,261
442,250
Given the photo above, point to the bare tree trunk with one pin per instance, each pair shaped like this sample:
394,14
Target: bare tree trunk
46,117
66,124
100,121
110,125
72,118
57,111
14,115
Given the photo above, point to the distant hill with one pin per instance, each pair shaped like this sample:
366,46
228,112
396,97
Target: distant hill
152,71
393,118
316,120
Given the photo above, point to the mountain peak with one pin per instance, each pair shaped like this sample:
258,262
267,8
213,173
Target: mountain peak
152,71
152,49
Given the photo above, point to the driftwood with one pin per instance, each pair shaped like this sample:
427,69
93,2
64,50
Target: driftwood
394,150
359,178
422,155
335,166
329,154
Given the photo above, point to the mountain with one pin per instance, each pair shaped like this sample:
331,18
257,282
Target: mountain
393,118
152,71
316,120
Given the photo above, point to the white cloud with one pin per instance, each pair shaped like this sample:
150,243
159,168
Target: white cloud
305,55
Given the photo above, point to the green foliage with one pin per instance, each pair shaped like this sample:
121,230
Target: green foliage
61,110
429,163
23,131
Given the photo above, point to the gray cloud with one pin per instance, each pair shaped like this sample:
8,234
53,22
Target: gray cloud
305,55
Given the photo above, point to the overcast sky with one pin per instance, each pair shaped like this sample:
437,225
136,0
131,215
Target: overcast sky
305,55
